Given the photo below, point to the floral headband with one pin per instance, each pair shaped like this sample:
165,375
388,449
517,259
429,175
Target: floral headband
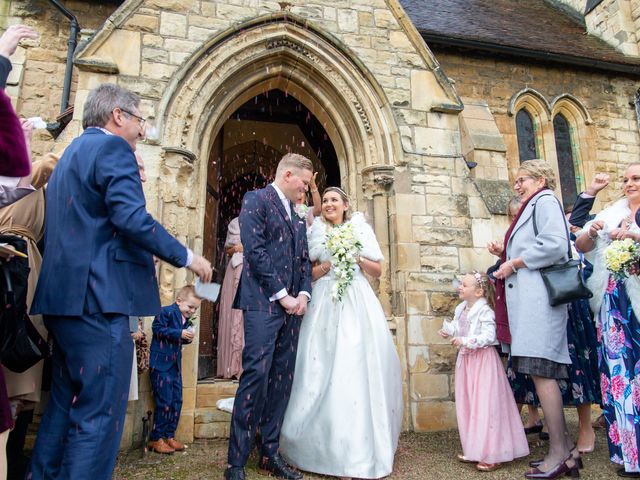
480,280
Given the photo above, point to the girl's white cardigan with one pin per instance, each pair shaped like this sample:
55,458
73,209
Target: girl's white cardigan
482,325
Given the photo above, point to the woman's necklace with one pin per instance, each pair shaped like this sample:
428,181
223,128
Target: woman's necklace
627,222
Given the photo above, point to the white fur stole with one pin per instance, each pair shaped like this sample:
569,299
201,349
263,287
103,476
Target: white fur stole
317,239
612,216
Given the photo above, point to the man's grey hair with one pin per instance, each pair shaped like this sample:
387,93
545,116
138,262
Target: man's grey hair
102,100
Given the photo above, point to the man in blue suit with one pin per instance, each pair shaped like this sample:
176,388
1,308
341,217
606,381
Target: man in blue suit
96,272
273,292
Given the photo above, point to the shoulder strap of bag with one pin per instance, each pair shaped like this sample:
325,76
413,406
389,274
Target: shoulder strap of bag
535,227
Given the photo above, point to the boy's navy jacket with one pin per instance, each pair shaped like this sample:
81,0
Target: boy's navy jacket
166,346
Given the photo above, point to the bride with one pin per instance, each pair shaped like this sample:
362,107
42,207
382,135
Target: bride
345,411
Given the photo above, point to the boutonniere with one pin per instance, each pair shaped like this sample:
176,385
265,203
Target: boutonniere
302,210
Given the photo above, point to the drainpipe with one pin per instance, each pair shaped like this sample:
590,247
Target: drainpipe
71,48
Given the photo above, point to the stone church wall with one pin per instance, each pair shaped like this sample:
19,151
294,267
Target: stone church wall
607,98
35,84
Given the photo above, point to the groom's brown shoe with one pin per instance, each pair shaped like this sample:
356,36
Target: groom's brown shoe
234,473
276,466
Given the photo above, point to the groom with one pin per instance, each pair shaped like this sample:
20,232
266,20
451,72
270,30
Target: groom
273,292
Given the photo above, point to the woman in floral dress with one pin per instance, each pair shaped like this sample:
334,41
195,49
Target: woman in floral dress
617,325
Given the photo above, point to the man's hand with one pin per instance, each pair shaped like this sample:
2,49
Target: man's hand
187,335
202,268
302,307
12,36
600,181
290,304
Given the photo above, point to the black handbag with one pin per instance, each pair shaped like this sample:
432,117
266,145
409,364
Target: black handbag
564,282
21,345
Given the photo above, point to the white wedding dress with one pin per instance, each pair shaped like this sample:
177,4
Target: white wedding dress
345,411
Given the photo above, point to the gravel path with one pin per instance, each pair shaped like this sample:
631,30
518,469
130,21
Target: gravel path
420,456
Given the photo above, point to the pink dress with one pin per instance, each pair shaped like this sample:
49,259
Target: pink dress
488,420
230,320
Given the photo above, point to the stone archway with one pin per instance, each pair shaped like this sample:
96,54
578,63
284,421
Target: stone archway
276,52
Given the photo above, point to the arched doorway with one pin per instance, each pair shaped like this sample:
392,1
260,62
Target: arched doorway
272,53
244,157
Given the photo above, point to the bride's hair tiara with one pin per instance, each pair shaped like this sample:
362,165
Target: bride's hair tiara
338,189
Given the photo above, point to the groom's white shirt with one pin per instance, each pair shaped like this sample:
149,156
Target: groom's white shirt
287,208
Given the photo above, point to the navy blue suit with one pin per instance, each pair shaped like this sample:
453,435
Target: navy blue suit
96,272
276,257
165,371
581,212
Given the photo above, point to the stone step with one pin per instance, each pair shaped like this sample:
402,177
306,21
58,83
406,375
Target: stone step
207,394
209,422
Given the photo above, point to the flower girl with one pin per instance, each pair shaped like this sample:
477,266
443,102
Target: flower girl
488,420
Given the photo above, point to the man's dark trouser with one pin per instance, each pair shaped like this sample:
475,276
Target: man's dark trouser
268,362
82,425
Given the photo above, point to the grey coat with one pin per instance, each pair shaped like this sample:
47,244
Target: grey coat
537,329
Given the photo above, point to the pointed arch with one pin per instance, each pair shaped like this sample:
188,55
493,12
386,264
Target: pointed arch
580,126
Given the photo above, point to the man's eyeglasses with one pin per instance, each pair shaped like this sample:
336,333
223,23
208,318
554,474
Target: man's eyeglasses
141,120
521,180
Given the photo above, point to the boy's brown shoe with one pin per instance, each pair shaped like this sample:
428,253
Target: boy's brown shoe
160,446
175,444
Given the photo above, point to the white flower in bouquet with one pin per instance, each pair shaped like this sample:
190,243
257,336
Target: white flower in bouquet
344,248
621,258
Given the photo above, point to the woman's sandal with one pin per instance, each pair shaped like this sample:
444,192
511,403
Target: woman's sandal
487,467
463,459
578,460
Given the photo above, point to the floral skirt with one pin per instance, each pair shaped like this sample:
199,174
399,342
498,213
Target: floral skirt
619,332
583,384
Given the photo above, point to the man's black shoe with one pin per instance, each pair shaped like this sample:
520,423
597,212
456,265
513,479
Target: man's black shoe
234,473
277,467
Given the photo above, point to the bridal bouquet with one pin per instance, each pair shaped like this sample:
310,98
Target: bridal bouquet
621,258
344,248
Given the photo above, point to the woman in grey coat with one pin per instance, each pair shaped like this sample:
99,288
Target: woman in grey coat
538,330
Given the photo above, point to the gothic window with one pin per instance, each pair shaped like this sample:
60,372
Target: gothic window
526,136
566,166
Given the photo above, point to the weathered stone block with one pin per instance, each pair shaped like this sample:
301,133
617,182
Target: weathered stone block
442,358
442,236
417,303
173,24
347,20
444,303
143,23
212,430
456,205
211,415
428,386
433,416
407,204
408,256
418,359
435,141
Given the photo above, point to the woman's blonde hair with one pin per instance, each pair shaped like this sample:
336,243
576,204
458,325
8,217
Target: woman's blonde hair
538,168
345,199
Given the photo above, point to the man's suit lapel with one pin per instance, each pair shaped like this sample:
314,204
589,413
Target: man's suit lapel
275,199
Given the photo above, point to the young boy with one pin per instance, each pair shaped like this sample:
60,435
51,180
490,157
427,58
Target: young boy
170,331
